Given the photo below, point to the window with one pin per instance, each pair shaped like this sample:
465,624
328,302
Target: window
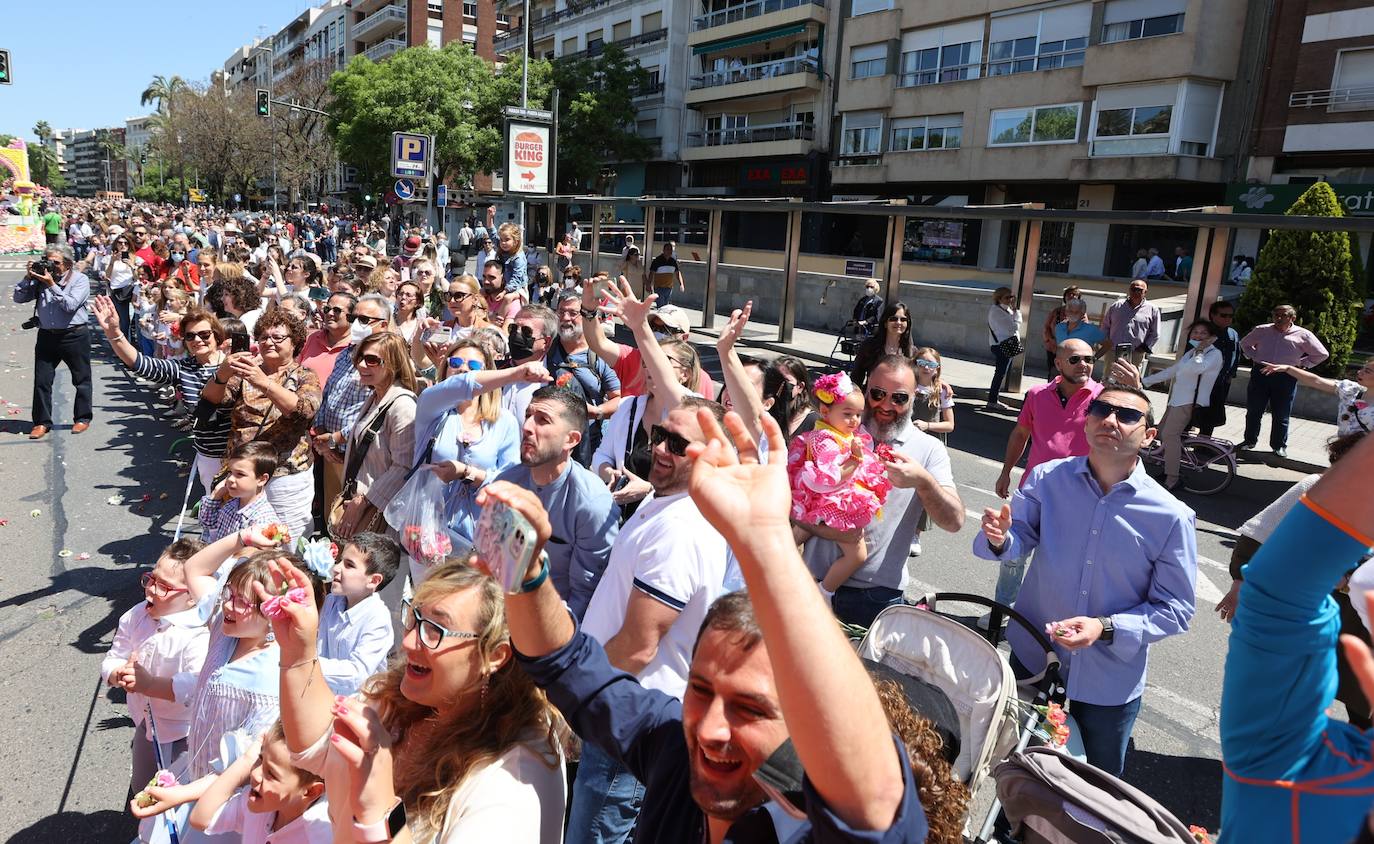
651,23
1040,40
1125,20
436,10
646,128
435,35
595,42
941,54
654,80
862,134
469,10
569,45
920,133
620,31
1012,56
863,7
1035,125
867,61
1353,82
1141,120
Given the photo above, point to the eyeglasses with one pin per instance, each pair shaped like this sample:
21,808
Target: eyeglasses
424,273
458,297
369,360
1125,415
460,364
676,443
1075,360
898,319
432,634
236,603
273,339
202,336
876,394
365,320
333,310
157,587
677,364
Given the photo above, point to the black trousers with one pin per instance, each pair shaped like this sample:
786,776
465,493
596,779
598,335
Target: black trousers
71,346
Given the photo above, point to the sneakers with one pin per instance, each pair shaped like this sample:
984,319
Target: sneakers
1248,445
1281,452
915,549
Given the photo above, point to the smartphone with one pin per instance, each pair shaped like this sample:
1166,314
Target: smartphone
504,542
1123,350
620,483
239,343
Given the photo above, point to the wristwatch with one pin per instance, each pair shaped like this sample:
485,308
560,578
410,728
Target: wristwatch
1108,629
538,580
383,830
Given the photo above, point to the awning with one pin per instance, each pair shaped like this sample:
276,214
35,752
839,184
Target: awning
751,38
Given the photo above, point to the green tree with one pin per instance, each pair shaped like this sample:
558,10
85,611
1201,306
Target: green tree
162,90
450,93
42,130
44,167
596,108
1310,271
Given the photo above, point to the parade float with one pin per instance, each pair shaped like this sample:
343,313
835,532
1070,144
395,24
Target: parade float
21,230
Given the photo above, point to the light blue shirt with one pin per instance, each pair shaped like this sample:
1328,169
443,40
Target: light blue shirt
61,305
1085,331
1130,554
353,643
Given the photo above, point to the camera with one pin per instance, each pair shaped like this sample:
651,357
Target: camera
45,267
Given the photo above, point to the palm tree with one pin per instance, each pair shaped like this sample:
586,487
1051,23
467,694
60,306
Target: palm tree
161,91
43,131
43,166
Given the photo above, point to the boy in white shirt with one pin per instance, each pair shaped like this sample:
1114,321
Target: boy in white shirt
355,625
238,502
150,635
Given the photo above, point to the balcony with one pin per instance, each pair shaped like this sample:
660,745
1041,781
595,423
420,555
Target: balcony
382,49
626,44
544,24
748,10
649,95
800,72
1335,99
385,20
771,139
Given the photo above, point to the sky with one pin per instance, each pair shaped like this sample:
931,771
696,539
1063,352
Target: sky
82,64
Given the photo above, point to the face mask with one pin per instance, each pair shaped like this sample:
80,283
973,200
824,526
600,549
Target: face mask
178,257
357,332
230,239
520,344
1192,344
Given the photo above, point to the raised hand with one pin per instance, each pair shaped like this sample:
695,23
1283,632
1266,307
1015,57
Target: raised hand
742,498
534,372
996,526
106,315
527,504
733,331
364,744
628,306
297,625
1125,372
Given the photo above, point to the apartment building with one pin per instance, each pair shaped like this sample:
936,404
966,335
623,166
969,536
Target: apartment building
654,33
760,97
138,133
95,167
1076,104
379,28
1315,116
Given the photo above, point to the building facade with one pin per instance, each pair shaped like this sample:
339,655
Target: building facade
138,133
1077,104
97,166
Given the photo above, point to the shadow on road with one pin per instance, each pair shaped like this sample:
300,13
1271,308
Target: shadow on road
1199,803
105,825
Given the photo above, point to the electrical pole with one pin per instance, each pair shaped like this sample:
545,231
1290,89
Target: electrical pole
524,100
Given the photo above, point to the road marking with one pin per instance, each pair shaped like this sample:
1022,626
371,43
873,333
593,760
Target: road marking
1214,564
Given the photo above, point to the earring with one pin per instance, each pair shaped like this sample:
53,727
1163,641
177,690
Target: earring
486,682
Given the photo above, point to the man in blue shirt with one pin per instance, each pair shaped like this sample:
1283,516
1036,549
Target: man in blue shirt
584,516
1115,568
62,336
760,674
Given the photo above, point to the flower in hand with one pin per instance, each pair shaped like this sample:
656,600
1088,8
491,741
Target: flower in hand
162,779
275,606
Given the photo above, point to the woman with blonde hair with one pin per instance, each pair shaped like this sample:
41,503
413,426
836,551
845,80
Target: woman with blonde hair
383,280
468,309
472,746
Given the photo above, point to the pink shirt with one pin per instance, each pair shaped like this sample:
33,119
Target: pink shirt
1294,347
630,370
1057,428
318,356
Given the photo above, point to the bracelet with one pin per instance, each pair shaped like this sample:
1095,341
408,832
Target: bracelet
588,313
299,664
538,579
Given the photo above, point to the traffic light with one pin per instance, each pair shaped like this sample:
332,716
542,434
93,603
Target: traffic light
6,77
143,155
264,103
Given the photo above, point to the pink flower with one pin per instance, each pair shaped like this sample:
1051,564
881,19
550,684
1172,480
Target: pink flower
164,779
275,607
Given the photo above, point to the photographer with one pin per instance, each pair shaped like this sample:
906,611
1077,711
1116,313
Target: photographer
61,293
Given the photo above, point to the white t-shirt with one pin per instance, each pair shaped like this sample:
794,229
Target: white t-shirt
668,551
312,827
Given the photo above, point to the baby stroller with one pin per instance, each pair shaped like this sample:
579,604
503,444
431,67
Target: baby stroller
847,345
925,642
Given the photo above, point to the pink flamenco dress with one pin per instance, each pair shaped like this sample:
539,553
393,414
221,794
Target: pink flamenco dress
821,494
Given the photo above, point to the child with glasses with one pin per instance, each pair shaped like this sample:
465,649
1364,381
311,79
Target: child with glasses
836,477
146,636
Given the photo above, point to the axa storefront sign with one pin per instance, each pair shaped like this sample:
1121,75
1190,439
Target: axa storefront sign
1357,200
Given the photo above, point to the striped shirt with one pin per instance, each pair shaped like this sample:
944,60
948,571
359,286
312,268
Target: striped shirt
211,433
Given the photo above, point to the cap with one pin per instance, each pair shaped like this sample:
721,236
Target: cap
412,245
674,318
365,261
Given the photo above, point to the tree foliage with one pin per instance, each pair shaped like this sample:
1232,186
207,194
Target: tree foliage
216,135
44,168
597,117
303,149
1311,272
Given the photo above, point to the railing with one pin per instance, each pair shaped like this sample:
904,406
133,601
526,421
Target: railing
395,13
382,49
753,72
624,44
1337,99
752,134
540,25
649,90
744,11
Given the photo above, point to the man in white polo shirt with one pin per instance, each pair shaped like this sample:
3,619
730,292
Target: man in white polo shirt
665,569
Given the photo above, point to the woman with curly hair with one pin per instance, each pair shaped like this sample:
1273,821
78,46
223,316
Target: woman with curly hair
943,796
473,747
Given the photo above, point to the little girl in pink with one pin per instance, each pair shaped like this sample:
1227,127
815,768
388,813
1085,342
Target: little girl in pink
837,479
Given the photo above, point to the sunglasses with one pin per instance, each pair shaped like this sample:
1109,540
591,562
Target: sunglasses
202,336
333,310
898,319
927,364
432,633
370,360
1137,290
365,320
876,394
676,443
1125,415
424,273
157,587
1075,360
461,364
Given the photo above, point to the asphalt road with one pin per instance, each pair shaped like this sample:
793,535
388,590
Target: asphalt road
66,734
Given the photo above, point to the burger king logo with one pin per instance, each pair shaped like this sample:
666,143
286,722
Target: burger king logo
529,150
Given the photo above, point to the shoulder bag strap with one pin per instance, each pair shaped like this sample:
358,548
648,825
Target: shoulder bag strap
355,462
630,430
428,453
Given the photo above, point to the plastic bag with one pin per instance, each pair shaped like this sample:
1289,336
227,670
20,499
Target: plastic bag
416,513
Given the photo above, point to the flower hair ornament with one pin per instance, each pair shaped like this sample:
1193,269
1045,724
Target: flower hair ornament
319,556
832,388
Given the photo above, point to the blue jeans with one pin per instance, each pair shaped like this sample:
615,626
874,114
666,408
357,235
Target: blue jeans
1001,366
1009,576
1275,392
1105,730
665,295
861,606
605,800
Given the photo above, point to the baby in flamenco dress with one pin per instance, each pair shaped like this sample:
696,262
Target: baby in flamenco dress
837,479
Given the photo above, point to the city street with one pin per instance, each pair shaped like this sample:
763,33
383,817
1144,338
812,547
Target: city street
83,514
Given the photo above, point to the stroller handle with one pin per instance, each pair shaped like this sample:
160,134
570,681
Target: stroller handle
997,610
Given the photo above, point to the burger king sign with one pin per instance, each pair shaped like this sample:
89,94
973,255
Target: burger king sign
527,158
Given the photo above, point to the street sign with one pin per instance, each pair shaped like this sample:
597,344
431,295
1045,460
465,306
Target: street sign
410,154
405,189
529,152
537,114
195,195
441,196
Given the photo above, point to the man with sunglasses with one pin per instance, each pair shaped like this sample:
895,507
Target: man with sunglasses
341,404
665,568
918,465
143,245
1115,569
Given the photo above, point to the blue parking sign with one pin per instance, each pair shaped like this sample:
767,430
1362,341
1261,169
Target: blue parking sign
441,196
410,155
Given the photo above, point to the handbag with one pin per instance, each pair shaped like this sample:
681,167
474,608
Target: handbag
371,520
1011,347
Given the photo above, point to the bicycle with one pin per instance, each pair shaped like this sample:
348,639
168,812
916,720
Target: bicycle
1208,465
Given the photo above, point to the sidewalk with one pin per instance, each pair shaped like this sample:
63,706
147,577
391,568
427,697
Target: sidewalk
1306,439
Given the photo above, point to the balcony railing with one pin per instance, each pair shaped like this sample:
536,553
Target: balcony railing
752,134
392,14
382,49
652,90
624,44
541,25
744,11
1336,99
753,72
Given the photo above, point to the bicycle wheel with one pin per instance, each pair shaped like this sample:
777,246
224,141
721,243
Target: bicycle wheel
1206,469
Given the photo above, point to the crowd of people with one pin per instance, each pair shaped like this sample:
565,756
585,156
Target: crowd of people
325,661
